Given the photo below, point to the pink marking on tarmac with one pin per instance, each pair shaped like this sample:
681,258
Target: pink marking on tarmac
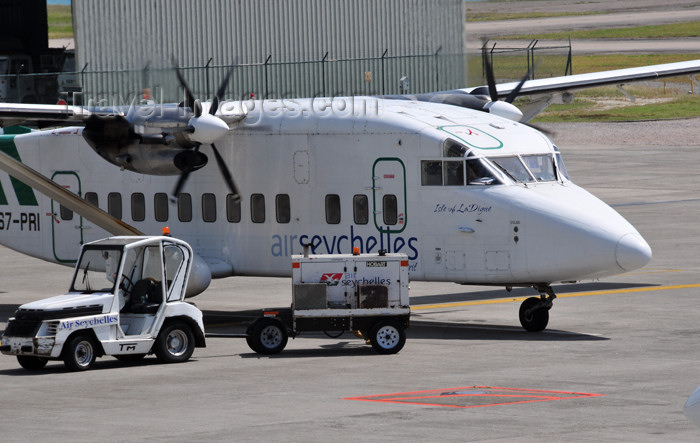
473,397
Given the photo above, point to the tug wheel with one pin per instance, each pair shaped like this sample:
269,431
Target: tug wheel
175,343
79,353
31,362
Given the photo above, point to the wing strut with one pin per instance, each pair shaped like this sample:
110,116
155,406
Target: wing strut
66,198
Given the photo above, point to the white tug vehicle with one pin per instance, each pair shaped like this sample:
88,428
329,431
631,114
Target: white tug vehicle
126,300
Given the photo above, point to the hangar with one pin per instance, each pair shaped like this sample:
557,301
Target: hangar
278,48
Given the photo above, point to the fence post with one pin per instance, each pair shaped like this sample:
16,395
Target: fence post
384,73
82,84
206,76
266,83
323,74
531,55
568,68
437,70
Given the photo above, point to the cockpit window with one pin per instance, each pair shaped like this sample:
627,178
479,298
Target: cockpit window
452,173
541,166
514,168
563,173
454,149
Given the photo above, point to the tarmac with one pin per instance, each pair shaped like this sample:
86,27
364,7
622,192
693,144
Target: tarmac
617,362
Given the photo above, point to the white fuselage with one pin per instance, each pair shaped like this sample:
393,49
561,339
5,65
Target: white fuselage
342,173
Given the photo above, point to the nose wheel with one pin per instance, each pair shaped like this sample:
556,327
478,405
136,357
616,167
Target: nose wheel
534,311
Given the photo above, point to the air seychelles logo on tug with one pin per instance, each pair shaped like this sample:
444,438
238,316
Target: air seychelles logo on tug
284,245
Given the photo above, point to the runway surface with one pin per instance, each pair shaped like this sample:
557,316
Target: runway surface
617,362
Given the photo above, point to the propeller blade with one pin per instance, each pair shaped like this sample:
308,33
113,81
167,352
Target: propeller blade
189,98
226,173
189,165
514,93
220,93
490,80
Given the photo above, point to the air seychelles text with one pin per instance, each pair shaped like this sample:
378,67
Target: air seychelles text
286,245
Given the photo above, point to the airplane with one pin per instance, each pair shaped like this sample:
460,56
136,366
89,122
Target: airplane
453,179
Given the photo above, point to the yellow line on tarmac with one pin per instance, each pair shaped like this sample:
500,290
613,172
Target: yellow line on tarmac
573,294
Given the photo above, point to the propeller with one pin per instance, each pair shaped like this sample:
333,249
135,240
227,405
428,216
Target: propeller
493,92
501,108
204,129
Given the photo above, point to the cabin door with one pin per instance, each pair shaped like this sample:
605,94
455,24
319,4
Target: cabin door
389,195
66,226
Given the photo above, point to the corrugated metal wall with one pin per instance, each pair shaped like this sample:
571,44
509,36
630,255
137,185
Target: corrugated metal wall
302,41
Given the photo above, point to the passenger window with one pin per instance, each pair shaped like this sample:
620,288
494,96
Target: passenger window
138,207
431,173
390,209
184,207
332,209
283,209
66,214
114,205
209,208
360,209
91,197
453,173
233,208
257,208
160,206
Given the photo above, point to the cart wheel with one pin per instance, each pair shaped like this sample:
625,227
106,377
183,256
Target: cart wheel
387,337
267,336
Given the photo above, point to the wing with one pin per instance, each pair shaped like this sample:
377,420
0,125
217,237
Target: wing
41,115
595,79
496,98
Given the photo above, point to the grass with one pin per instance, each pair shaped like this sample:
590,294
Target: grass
60,21
676,30
586,110
483,16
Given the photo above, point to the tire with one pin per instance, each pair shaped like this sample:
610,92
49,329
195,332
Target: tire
79,353
536,320
267,336
387,337
175,343
251,343
32,363
130,358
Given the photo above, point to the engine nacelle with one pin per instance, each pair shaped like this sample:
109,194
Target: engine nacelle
152,159
200,277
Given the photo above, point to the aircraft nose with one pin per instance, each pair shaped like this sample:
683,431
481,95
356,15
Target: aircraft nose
632,252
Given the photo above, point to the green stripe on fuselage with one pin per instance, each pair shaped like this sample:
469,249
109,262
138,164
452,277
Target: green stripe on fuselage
25,194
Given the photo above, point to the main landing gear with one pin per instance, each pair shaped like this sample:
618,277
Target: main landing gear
534,311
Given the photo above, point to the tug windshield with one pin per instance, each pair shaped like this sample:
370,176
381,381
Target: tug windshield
97,269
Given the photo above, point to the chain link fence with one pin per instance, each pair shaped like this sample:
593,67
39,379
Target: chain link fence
325,77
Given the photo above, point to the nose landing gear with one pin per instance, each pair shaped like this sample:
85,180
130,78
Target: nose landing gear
534,311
